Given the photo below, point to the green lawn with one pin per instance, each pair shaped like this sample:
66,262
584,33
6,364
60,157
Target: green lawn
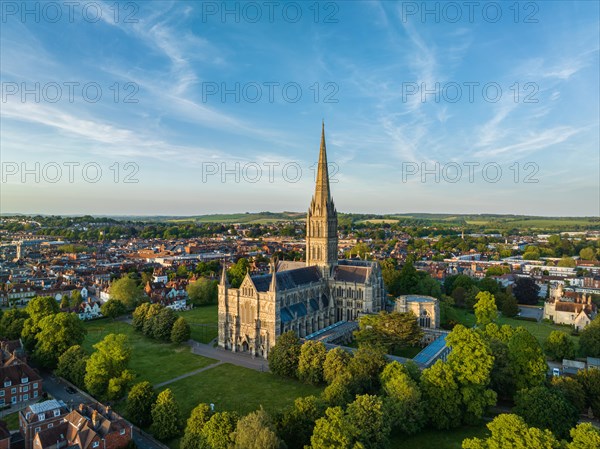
198,318
438,439
12,421
238,389
150,359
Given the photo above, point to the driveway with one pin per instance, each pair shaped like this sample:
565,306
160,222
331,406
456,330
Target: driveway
235,358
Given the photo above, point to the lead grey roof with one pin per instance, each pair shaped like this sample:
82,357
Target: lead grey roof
288,279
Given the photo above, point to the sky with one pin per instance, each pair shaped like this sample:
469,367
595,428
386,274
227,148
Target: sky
189,108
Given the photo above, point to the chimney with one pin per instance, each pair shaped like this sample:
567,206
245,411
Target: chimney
95,418
108,411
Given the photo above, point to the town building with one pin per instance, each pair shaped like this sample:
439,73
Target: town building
4,436
18,381
91,426
570,308
41,416
303,297
425,308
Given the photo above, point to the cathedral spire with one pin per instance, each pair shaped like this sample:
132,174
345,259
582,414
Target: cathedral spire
224,281
322,192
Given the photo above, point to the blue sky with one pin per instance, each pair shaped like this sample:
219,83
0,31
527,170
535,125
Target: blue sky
363,67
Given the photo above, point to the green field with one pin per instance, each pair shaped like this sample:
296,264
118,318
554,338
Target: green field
438,439
245,218
239,389
150,360
12,421
198,317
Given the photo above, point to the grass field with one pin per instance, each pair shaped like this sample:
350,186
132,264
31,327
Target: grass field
12,421
198,317
438,439
238,389
150,360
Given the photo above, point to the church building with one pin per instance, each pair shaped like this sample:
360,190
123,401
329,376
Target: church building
303,297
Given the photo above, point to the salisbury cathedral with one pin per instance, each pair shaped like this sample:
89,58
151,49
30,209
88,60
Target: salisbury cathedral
304,297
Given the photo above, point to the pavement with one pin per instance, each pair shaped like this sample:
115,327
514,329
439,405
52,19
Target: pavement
531,312
183,376
235,358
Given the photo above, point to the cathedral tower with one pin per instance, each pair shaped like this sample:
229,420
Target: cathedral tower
321,221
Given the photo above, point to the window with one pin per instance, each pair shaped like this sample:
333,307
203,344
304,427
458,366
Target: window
56,412
24,380
13,391
35,385
25,388
122,431
2,402
41,416
37,429
95,444
7,383
25,397
50,425
35,394
1,393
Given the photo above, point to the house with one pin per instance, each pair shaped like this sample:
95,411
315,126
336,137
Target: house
89,310
41,416
571,308
18,383
91,426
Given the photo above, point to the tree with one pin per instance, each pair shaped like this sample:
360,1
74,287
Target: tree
71,365
336,362
203,291
140,399
297,423
64,302
471,362
589,339
333,431
163,324
192,437
365,367
237,272
310,362
113,308
117,386
181,331
341,390
442,396
256,431
526,359
403,402
572,390
558,345
37,308
485,308
108,361
75,299
590,381
510,431
57,333
367,416
585,436
127,291
488,284
283,357
165,416
217,432
392,330
546,409
510,308
12,322
526,291
567,262
139,316
587,253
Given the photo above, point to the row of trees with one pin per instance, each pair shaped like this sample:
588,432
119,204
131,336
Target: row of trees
105,372
160,323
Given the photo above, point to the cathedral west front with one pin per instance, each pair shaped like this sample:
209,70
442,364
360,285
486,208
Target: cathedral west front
303,297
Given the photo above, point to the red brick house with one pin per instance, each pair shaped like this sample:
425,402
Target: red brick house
18,382
41,416
92,426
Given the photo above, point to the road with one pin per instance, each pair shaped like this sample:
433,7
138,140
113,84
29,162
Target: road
57,388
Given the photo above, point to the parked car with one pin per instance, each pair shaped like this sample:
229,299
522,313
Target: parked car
555,372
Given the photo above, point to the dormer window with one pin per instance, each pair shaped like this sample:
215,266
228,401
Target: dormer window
7,383
56,412
24,380
41,416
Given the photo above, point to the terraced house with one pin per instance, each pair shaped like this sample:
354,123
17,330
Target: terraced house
304,297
